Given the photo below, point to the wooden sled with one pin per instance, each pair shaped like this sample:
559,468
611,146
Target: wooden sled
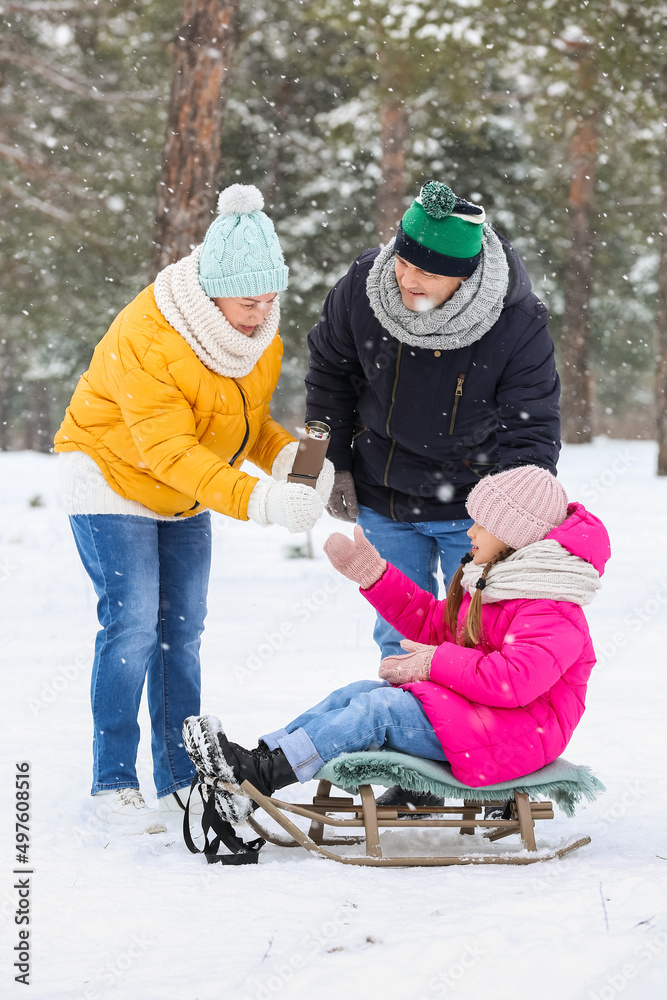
566,783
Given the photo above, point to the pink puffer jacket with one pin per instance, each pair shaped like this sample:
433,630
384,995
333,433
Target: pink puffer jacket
510,705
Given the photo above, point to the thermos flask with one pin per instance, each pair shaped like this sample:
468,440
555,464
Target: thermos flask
310,454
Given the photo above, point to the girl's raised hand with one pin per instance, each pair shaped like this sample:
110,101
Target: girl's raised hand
356,559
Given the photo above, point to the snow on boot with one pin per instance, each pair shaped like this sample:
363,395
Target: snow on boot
216,760
200,738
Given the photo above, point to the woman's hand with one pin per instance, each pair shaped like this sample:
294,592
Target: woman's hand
356,559
325,480
282,466
414,666
293,505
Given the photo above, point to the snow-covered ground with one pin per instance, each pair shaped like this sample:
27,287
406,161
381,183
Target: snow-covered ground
142,919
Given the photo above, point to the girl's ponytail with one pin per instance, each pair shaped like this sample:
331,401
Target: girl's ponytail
455,596
470,633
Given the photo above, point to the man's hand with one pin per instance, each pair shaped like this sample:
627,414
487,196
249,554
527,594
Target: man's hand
415,666
343,500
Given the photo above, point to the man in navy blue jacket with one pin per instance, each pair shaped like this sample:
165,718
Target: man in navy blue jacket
433,363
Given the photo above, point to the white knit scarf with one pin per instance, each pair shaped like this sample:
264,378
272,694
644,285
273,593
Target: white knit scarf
541,571
186,306
460,321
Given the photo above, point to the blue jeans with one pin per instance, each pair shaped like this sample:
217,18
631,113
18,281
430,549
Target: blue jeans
151,579
415,548
365,715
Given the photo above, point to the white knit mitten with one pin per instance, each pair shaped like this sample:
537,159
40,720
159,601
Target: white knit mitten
284,460
294,506
325,480
282,466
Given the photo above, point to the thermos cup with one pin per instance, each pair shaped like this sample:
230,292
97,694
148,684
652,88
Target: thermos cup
310,453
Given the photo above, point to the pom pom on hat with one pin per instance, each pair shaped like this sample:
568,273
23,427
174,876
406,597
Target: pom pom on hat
240,199
437,199
441,233
241,255
519,506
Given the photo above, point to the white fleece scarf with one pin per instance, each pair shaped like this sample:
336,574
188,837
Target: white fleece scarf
186,306
541,571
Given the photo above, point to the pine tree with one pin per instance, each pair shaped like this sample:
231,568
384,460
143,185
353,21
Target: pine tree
203,52
79,145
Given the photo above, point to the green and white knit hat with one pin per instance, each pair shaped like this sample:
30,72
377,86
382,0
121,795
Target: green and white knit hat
241,254
441,233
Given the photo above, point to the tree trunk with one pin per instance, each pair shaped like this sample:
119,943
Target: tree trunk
392,191
37,432
661,314
391,196
187,188
8,379
577,390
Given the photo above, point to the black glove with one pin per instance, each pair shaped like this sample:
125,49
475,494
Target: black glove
343,500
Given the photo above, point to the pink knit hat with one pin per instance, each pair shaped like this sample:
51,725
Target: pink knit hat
519,506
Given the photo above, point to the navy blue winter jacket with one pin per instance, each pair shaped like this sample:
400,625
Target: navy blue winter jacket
418,427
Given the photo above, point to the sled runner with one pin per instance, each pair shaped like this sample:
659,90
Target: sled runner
566,784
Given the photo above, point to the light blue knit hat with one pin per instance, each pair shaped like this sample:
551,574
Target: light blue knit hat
241,254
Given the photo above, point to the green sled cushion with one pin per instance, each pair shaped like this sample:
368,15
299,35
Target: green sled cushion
566,784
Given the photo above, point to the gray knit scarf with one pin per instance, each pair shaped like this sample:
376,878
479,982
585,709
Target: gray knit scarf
459,322
186,306
541,571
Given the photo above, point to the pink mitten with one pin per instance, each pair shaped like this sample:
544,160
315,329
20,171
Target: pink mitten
357,560
415,666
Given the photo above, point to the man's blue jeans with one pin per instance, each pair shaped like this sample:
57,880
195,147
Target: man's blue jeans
415,548
360,716
151,580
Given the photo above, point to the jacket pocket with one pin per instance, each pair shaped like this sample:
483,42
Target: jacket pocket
482,469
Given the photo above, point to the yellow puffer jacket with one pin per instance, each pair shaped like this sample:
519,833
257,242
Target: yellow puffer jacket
163,428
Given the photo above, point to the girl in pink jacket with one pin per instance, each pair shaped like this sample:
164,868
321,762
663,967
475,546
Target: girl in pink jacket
494,677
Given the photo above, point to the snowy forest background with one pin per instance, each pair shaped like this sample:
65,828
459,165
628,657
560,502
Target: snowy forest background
550,113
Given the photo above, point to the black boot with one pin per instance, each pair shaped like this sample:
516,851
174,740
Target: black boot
268,770
397,796
219,762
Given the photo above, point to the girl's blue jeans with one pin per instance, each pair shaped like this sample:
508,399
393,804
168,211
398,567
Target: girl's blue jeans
415,548
151,580
365,715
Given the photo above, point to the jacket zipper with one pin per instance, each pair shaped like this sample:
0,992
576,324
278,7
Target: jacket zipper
247,426
245,438
391,410
457,396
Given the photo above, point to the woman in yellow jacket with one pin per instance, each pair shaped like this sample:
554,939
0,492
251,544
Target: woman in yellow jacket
176,397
